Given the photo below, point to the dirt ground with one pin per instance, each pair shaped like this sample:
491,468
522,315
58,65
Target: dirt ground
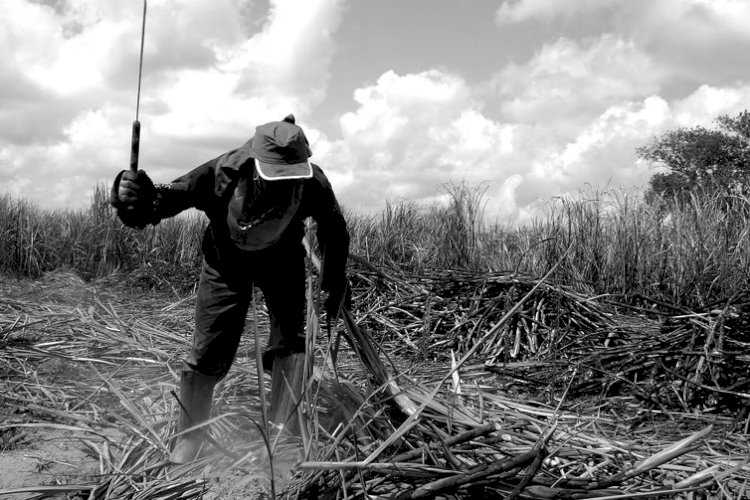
42,446
44,456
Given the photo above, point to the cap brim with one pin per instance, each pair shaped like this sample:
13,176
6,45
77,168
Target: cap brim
272,172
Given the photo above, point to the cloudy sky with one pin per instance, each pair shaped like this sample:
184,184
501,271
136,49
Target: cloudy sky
528,98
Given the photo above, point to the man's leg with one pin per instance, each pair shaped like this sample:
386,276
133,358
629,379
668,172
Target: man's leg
285,356
283,286
220,314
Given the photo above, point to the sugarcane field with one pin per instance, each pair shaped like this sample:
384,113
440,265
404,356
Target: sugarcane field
339,250
474,362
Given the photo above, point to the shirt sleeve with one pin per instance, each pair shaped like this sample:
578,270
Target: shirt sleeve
205,187
332,232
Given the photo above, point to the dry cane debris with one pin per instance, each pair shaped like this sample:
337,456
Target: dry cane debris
557,400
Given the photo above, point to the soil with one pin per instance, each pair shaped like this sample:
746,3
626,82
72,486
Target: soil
38,448
43,457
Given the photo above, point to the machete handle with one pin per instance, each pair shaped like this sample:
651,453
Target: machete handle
135,142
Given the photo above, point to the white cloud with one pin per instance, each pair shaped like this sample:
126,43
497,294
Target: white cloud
702,15
66,48
702,41
409,135
708,102
614,74
209,77
604,151
292,55
573,82
516,11
282,69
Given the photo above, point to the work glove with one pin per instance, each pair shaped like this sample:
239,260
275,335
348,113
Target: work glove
339,296
133,196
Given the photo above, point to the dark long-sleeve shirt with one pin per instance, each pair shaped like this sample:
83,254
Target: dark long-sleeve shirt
210,188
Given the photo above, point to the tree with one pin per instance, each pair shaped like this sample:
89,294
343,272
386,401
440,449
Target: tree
702,158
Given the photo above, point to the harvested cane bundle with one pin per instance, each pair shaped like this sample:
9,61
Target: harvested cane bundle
532,452
692,362
440,312
451,451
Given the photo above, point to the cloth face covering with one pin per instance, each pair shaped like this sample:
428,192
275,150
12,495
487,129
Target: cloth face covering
260,211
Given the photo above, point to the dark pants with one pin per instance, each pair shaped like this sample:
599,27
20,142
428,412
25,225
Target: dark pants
224,296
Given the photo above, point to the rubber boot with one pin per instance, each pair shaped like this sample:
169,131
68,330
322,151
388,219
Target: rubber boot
286,391
196,393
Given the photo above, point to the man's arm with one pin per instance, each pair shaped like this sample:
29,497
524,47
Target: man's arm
139,202
192,190
333,235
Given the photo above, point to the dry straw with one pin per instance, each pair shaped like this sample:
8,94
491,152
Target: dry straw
98,364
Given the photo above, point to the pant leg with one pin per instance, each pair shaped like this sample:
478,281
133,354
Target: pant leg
220,314
283,286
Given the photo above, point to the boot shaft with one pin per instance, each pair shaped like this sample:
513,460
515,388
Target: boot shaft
196,395
287,385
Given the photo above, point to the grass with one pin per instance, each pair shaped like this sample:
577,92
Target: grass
93,243
692,252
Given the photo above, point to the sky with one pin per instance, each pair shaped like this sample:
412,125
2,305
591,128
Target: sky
525,100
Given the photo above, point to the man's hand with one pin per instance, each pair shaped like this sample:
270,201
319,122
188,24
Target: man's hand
133,196
339,296
135,188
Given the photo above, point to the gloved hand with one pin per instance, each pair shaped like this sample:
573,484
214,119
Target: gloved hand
340,295
133,196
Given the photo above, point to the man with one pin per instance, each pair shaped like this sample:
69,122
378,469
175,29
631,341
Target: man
256,198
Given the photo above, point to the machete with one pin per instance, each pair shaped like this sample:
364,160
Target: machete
135,139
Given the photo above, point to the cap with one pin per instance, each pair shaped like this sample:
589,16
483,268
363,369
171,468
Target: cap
281,151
